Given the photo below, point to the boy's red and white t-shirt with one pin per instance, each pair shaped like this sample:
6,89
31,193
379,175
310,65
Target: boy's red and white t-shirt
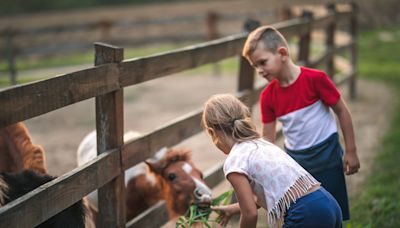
302,108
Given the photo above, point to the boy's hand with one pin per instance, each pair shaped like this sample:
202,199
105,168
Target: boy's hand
351,164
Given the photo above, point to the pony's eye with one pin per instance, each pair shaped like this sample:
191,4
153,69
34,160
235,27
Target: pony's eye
171,176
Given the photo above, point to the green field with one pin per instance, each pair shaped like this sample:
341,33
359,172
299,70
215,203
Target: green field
379,203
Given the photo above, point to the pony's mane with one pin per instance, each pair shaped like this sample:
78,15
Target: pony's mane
33,156
174,155
3,191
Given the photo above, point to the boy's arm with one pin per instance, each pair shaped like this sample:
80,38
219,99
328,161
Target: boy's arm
269,131
350,160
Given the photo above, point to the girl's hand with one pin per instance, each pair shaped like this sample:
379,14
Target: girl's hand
225,212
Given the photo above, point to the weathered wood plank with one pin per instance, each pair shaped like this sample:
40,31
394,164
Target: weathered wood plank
60,193
330,41
305,41
322,22
330,53
293,27
346,79
146,146
215,175
155,216
26,101
353,50
109,128
143,69
246,71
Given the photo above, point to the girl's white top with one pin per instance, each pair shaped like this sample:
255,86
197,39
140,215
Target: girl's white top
276,179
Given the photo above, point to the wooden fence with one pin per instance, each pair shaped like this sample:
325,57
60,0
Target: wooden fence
106,82
45,42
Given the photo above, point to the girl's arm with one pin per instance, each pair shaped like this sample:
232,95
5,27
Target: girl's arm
225,212
269,131
244,194
351,162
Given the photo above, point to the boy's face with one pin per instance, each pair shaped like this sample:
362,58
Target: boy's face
267,64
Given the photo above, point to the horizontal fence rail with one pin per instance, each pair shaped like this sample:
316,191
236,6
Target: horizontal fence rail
26,101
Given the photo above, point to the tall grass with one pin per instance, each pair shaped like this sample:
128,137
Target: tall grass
379,203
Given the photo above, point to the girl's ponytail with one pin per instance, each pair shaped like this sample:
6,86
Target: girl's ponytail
227,113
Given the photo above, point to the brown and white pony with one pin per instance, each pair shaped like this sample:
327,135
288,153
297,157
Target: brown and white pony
171,176
23,168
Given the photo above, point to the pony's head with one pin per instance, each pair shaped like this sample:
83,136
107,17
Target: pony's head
182,182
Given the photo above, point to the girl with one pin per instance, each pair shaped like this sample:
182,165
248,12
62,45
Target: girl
263,175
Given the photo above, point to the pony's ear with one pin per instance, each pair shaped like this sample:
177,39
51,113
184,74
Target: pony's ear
155,165
158,162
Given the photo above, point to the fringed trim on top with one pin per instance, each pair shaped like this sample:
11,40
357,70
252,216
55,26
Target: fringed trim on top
297,190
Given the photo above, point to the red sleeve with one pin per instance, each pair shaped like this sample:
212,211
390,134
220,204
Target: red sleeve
327,91
267,112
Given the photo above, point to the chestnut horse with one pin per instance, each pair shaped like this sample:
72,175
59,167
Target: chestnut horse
17,152
170,176
23,168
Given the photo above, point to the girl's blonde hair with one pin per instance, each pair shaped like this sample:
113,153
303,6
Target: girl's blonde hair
226,113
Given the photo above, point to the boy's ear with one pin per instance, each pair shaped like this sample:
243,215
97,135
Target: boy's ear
283,51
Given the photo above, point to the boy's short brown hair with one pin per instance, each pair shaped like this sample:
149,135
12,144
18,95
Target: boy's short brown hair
271,38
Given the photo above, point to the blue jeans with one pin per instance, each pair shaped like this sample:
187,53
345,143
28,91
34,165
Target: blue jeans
317,209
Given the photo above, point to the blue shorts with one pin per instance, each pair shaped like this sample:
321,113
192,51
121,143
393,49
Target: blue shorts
324,162
317,209
334,182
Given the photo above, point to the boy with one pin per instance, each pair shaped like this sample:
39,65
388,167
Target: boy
301,98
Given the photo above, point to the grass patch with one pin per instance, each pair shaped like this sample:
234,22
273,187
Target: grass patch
378,204
199,214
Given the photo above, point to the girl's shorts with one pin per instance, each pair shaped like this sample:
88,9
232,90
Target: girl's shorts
317,209
334,182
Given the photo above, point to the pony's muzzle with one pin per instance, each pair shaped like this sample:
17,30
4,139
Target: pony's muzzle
202,193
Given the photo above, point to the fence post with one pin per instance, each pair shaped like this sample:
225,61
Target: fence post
212,33
246,71
330,41
305,40
10,50
353,50
284,13
109,127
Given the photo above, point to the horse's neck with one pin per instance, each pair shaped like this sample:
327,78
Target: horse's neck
11,151
23,153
